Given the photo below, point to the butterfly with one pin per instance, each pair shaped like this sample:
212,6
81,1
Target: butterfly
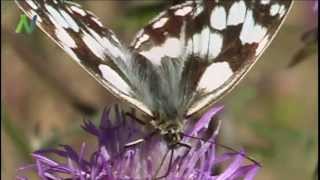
182,62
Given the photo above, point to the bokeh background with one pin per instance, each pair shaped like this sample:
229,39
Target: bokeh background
272,113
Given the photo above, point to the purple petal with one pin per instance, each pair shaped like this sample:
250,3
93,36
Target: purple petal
204,121
39,168
72,154
81,158
45,160
252,172
237,162
246,172
105,122
212,157
89,127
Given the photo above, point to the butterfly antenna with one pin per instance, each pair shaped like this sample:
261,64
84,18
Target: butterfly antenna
226,147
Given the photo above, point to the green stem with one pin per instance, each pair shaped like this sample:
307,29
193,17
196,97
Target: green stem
18,139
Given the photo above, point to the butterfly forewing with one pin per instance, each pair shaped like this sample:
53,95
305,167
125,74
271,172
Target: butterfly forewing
96,48
214,44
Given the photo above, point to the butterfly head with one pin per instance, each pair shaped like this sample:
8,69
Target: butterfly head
171,132
172,137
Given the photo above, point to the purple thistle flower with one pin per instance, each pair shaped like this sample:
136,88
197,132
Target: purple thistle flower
113,161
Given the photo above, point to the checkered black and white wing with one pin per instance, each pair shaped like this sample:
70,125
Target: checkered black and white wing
202,49
188,57
94,47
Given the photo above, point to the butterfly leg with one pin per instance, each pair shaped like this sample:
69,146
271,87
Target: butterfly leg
132,116
169,165
138,141
184,145
134,143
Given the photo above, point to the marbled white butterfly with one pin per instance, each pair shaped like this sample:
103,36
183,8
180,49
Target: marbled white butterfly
183,61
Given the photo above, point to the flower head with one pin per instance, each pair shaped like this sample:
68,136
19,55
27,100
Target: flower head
146,160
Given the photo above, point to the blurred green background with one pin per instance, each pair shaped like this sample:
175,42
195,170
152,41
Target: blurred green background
45,96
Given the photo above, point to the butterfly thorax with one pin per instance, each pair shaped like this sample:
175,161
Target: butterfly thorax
170,131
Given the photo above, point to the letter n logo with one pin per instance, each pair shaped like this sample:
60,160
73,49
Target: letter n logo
25,25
